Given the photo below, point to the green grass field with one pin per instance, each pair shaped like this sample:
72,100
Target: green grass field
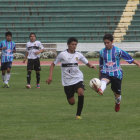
44,114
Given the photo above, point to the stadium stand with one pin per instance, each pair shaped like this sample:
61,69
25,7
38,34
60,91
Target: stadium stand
133,32
56,20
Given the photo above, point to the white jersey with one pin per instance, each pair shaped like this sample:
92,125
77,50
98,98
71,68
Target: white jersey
70,71
32,47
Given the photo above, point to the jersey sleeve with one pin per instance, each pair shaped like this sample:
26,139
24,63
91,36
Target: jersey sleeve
14,48
27,47
58,59
126,57
100,60
1,45
41,46
83,59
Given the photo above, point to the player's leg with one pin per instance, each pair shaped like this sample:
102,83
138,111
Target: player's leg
116,88
3,69
79,87
29,71
69,91
28,78
80,92
71,101
105,80
38,79
37,68
8,74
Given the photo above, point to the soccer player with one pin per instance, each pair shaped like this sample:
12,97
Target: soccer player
110,69
33,50
72,77
8,47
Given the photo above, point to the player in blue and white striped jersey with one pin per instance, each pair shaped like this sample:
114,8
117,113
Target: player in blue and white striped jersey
7,47
110,69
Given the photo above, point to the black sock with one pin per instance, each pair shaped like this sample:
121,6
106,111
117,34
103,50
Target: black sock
29,77
80,105
37,78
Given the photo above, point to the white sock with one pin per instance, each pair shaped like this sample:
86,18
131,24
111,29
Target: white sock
7,78
118,100
103,85
3,77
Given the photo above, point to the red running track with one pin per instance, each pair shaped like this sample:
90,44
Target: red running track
47,63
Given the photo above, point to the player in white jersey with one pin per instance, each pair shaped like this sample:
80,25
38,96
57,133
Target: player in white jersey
72,77
33,50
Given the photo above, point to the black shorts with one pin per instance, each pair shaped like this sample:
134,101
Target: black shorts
70,90
6,65
115,83
34,64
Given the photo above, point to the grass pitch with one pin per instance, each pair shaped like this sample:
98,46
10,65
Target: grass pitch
44,114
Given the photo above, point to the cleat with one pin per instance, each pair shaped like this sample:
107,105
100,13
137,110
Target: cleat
78,117
117,107
7,85
28,86
100,92
38,86
4,85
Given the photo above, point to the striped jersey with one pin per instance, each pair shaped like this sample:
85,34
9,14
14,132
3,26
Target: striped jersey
110,61
7,54
70,71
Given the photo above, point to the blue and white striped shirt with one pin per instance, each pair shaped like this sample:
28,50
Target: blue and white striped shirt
7,54
110,61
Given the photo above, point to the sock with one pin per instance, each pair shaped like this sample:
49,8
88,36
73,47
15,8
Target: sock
29,77
103,85
80,105
7,78
37,78
3,78
118,100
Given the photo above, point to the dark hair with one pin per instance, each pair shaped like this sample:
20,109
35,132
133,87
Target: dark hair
108,37
32,34
71,39
8,33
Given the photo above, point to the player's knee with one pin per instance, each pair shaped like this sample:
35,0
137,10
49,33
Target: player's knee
80,92
8,70
71,101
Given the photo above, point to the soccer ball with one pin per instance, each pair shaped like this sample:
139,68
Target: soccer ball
95,82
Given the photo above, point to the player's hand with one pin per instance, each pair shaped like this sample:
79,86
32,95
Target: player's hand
4,48
92,66
49,80
24,60
38,52
138,65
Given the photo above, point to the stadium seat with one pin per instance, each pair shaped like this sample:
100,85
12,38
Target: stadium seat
55,21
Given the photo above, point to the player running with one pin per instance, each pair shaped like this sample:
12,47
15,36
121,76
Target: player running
72,77
33,50
7,47
110,69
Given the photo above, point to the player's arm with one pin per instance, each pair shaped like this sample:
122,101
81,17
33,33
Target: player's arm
100,65
90,65
49,80
14,49
1,46
86,62
57,60
41,49
128,58
136,63
25,58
